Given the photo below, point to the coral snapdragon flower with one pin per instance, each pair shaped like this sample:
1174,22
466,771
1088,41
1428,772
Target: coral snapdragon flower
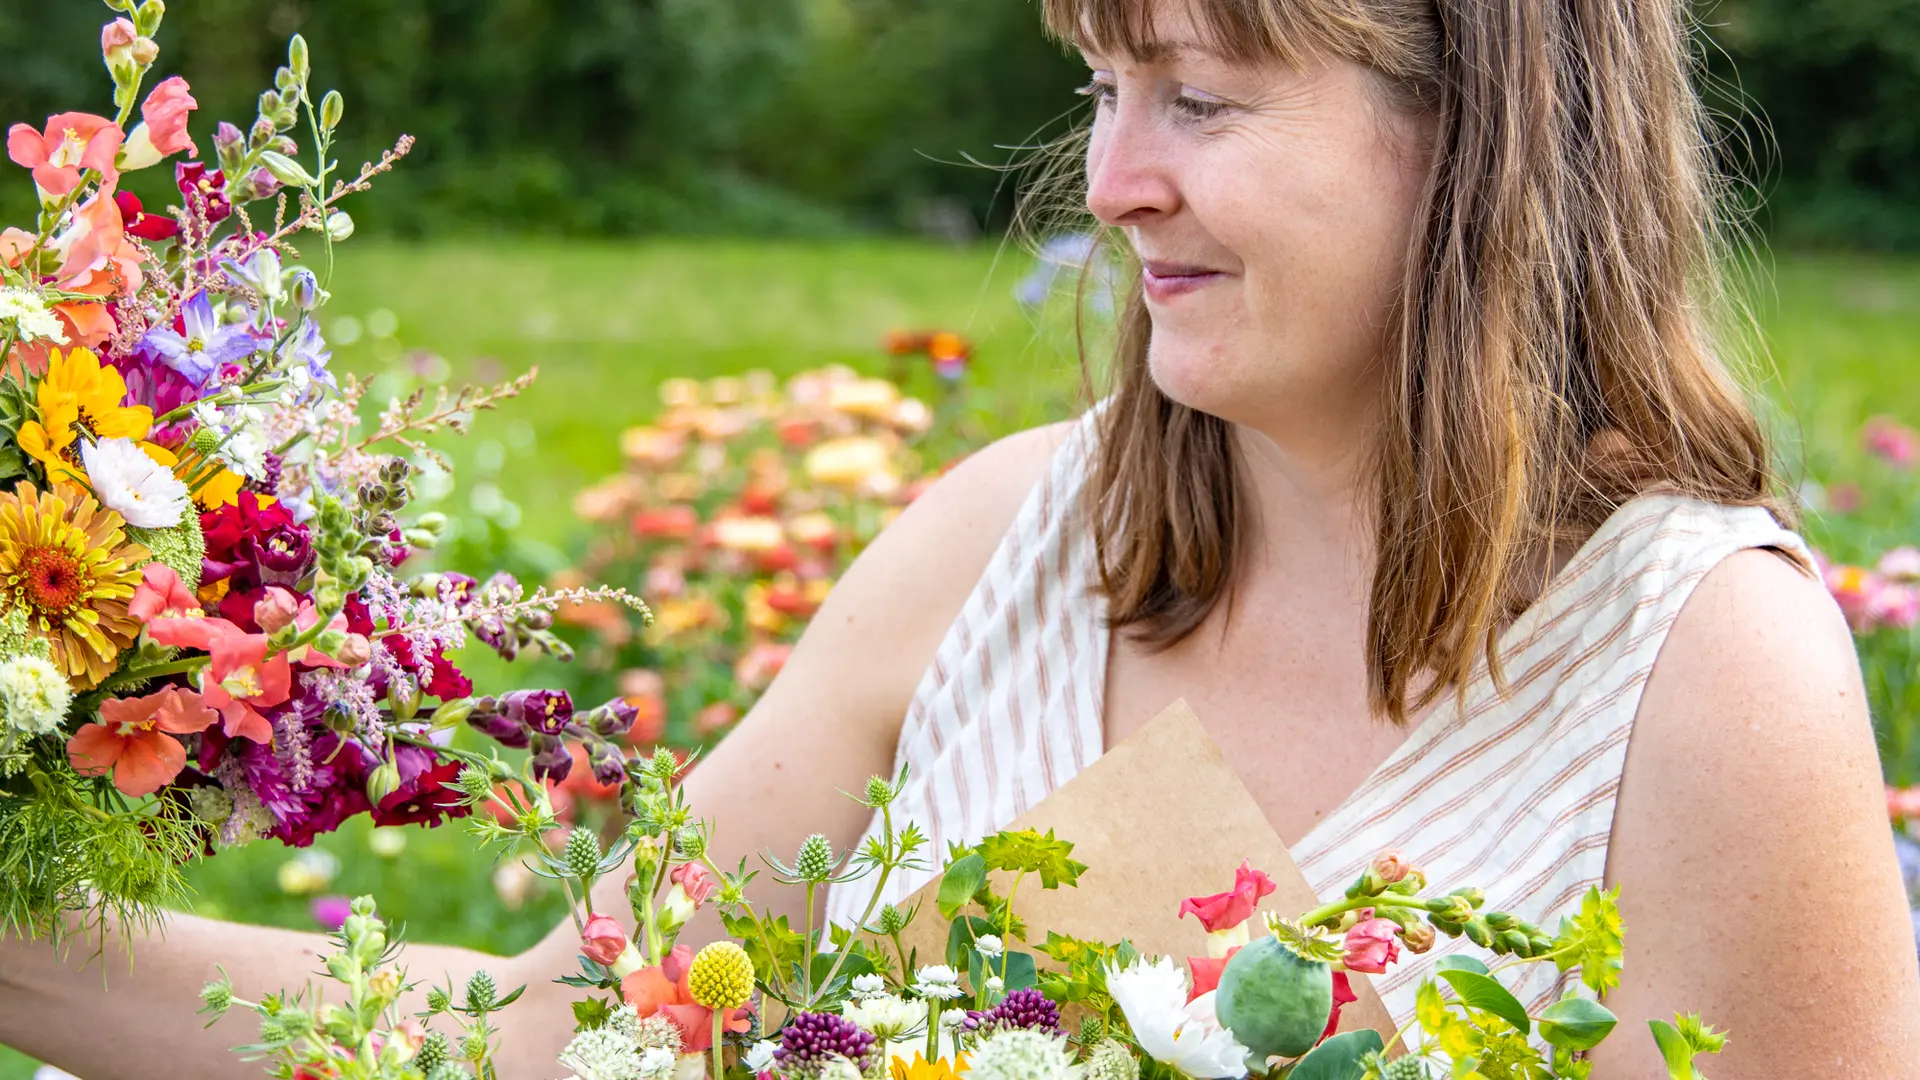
71,142
241,679
134,739
666,989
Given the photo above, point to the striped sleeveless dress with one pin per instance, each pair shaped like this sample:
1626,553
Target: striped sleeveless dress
1513,794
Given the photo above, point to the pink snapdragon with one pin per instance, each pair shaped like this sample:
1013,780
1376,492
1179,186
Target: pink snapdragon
70,143
161,592
1371,945
116,42
163,128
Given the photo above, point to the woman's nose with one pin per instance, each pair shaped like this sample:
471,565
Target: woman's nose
1129,177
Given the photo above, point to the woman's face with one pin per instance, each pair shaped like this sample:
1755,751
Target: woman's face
1271,209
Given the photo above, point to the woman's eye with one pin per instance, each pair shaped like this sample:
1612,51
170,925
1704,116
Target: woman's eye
1199,106
1100,90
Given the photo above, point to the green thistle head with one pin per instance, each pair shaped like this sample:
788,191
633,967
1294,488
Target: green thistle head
879,792
582,853
481,993
433,1052
815,861
892,920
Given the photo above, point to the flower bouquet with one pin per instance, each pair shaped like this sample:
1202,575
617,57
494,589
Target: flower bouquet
1004,1001
740,504
208,631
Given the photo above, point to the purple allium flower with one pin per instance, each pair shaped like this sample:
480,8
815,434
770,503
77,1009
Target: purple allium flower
331,911
1028,1009
813,1039
545,711
204,346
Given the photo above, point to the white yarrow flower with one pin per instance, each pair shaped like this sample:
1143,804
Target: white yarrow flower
31,319
603,1054
34,696
887,1017
658,1063
141,489
990,946
937,981
1186,1035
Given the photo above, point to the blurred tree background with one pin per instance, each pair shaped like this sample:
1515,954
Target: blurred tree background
637,117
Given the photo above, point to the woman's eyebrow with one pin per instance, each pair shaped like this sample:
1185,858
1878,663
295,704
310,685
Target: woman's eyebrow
1156,52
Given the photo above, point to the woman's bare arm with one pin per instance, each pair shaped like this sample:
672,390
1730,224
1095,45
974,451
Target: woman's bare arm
827,723
1758,882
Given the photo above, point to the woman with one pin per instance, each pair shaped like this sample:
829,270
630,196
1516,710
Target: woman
1422,480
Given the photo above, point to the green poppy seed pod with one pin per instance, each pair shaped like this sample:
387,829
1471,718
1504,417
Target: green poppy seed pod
582,853
1273,1000
481,993
332,108
815,861
339,225
297,58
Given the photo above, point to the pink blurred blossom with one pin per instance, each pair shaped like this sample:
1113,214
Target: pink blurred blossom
1892,441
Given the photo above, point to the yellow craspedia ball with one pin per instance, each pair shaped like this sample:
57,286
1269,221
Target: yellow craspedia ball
721,976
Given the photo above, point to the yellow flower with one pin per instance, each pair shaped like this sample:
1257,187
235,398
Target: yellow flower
921,1069
67,563
850,462
721,977
79,397
212,485
869,399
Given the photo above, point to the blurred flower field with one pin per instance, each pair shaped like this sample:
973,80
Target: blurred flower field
609,324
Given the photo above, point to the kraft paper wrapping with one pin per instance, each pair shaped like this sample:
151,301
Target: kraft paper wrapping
1156,819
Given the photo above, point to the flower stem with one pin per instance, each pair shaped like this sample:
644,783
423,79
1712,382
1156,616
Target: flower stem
1342,906
155,671
873,901
719,1021
808,950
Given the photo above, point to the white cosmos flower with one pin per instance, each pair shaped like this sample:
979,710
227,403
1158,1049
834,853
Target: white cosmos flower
1186,1035
125,479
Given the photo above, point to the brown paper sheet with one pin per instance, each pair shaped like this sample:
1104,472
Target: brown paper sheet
1156,819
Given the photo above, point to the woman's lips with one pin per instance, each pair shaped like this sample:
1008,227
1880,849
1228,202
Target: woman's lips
1164,280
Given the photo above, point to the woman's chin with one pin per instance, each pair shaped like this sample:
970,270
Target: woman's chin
1200,378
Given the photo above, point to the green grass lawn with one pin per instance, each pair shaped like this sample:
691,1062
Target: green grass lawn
606,322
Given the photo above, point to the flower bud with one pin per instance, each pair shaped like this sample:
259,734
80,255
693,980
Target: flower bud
339,225
1500,920
116,42
144,52
1515,942
383,781
305,292
1391,866
385,983
453,712
297,59
332,108
551,761
147,16
276,611
1478,933
603,940
1418,937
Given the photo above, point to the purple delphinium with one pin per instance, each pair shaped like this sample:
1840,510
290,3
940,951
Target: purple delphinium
203,346
1027,1009
813,1039
307,349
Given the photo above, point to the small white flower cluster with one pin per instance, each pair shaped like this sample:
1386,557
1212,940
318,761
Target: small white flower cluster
1023,1054
626,1047
937,982
34,696
889,1018
24,313
241,429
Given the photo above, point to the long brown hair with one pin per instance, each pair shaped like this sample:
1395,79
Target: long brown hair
1561,341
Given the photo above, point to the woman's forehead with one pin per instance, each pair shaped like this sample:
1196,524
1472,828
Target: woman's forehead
1154,31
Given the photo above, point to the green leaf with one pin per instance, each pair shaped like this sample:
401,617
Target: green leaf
1339,1058
591,1013
1593,940
1576,1023
1021,972
1675,1049
1029,852
1484,993
963,878
1699,1034
1457,962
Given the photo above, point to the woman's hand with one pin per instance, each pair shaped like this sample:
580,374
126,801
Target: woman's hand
1759,886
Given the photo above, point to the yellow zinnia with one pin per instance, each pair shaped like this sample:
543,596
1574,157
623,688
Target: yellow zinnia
67,563
79,397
